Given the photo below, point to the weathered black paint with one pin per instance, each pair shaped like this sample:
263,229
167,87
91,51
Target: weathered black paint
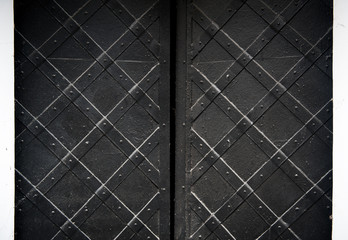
252,124
92,119
254,130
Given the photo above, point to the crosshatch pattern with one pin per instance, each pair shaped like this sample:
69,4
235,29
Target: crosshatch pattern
259,120
89,124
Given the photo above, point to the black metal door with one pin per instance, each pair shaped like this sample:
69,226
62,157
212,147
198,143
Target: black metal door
92,116
253,119
254,132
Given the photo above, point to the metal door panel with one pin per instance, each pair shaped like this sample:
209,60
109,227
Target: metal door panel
254,120
92,93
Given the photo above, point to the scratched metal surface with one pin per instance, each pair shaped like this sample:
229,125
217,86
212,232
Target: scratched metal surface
91,116
255,114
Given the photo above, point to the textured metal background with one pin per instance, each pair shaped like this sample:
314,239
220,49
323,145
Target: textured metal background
254,133
92,116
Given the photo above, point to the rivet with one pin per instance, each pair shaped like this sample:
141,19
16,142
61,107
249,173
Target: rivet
87,43
53,144
120,175
148,40
87,142
295,72
87,109
227,173
297,208
327,136
296,107
296,175
260,207
55,41
52,178
261,106
120,11
149,144
279,227
202,104
86,210
88,178
104,124
259,73
70,160
122,44
119,207
86,13
121,141
261,141
22,141
261,175
228,75
228,44
244,191
53,212
71,92
262,39
37,58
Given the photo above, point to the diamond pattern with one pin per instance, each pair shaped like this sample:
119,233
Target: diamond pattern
279,124
253,224
245,157
69,194
103,224
35,161
244,26
111,25
259,122
279,192
136,125
74,109
105,93
212,189
67,129
278,57
212,124
136,191
36,92
245,91
257,69
103,159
